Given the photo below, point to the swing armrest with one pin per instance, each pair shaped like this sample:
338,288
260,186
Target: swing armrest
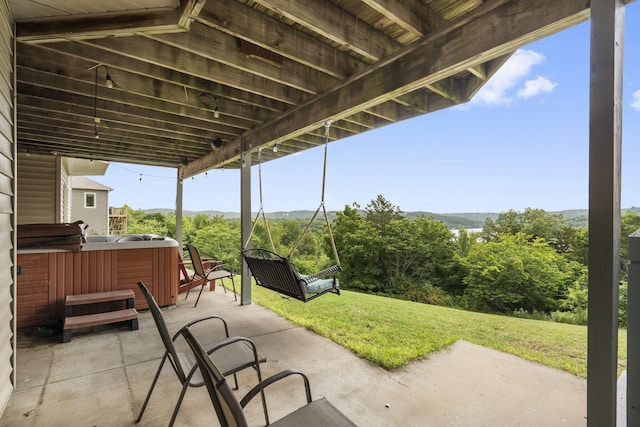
331,271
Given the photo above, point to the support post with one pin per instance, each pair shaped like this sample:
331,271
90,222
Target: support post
179,199
633,331
245,224
605,141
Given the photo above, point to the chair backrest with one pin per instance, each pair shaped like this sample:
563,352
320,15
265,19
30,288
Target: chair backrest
227,407
158,318
196,260
183,269
274,272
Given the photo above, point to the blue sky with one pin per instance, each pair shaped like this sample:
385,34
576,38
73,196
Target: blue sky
521,142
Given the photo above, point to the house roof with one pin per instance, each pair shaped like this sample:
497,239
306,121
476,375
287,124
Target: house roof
84,183
196,82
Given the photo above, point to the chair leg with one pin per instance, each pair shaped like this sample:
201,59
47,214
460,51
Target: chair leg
199,293
233,283
185,386
153,384
188,290
264,400
262,396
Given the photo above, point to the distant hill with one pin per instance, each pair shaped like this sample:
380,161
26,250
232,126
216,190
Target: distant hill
574,217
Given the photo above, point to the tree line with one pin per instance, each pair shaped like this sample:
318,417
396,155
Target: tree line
528,264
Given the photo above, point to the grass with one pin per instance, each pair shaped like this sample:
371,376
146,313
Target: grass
392,333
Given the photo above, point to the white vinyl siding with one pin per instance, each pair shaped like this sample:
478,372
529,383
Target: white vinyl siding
7,207
37,189
65,193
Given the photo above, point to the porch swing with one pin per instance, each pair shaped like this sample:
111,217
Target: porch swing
278,273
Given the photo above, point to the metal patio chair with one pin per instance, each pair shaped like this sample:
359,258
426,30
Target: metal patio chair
232,354
316,413
208,274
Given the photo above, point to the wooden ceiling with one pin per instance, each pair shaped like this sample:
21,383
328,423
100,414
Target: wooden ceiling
275,70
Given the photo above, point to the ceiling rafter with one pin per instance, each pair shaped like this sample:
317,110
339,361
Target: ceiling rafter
114,24
253,72
435,57
334,23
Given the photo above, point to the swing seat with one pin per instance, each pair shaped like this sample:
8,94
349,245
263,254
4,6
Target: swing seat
277,273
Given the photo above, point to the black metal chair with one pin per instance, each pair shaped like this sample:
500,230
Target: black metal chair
316,413
232,354
208,274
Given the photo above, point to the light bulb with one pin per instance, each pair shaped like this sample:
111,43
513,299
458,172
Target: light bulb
216,113
275,147
108,82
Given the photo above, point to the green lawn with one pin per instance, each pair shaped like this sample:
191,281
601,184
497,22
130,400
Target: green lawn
392,332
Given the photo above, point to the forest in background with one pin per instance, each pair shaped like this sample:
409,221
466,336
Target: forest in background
528,264
573,217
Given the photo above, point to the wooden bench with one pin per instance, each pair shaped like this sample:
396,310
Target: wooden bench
86,320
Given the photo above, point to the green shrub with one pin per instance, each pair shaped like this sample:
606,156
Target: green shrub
575,318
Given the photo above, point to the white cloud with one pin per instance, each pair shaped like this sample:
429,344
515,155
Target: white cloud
499,90
536,87
635,100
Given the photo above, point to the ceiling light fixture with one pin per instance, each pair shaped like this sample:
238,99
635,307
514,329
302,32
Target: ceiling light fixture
96,120
216,144
216,112
108,83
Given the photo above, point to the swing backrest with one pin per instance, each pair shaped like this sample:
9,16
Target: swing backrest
275,272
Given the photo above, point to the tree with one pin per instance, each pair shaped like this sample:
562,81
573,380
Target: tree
513,273
139,222
381,212
533,223
629,223
466,239
220,241
359,245
416,253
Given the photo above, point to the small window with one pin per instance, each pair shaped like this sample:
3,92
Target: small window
89,200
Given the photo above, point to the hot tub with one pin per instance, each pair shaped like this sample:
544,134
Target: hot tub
104,263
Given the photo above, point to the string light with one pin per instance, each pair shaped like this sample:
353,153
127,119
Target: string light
108,82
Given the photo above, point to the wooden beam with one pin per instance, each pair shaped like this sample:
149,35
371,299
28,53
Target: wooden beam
246,23
180,77
172,58
447,89
464,43
85,128
69,110
150,21
49,61
56,82
412,15
186,124
206,42
336,24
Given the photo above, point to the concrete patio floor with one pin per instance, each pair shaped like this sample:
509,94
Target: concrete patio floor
101,377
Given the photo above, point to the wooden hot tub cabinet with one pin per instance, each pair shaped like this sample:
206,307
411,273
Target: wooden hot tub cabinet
46,277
